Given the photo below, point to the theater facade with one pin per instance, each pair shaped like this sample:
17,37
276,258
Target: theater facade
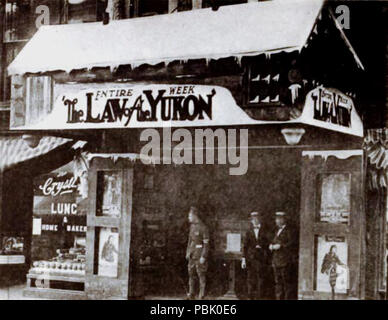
234,113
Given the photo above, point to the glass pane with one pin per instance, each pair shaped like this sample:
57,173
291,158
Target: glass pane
18,24
109,190
335,198
84,12
106,252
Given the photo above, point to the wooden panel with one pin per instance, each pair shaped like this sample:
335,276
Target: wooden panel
18,108
38,98
172,5
98,286
310,227
31,99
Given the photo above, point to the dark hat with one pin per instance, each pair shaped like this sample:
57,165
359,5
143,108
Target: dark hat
280,214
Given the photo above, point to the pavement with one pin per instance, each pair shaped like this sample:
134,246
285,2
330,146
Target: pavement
14,293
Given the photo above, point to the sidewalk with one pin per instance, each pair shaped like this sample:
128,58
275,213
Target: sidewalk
14,293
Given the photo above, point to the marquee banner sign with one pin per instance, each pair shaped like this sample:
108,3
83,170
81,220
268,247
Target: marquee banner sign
142,106
331,109
115,105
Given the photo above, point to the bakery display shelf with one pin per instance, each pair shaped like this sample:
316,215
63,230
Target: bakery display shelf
57,277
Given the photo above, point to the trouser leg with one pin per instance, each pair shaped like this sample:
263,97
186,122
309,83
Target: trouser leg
285,282
191,270
251,284
201,271
202,284
278,283
259,284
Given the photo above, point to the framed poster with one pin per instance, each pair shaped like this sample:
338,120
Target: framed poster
108,252
109,184
335,198
233,242
331,270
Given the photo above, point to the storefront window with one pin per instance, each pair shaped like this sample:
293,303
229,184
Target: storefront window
58,248
152,7
17,22
334,198
209,3
87,11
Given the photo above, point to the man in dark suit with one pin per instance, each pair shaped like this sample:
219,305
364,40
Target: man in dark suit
281,257
254,257
197,252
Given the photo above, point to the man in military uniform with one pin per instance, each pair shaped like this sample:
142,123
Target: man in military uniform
255,247
197,253
281,257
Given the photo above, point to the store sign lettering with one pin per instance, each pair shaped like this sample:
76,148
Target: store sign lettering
50,227
75,228
177,103
55,188
331,106
69,228
63,208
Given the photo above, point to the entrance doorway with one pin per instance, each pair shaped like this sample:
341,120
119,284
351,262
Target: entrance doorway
164,194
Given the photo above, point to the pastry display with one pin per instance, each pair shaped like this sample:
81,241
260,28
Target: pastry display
68,261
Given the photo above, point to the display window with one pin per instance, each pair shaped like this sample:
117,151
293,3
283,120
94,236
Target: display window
58,249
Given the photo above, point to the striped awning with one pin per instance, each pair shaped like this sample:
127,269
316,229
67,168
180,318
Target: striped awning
14,149
376,149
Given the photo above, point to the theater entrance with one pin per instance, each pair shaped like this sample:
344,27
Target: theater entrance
162,196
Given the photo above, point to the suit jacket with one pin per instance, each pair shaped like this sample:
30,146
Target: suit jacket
282,257
198,244
254,250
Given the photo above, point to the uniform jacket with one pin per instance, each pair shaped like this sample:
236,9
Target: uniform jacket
198,244
282,257
255,250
